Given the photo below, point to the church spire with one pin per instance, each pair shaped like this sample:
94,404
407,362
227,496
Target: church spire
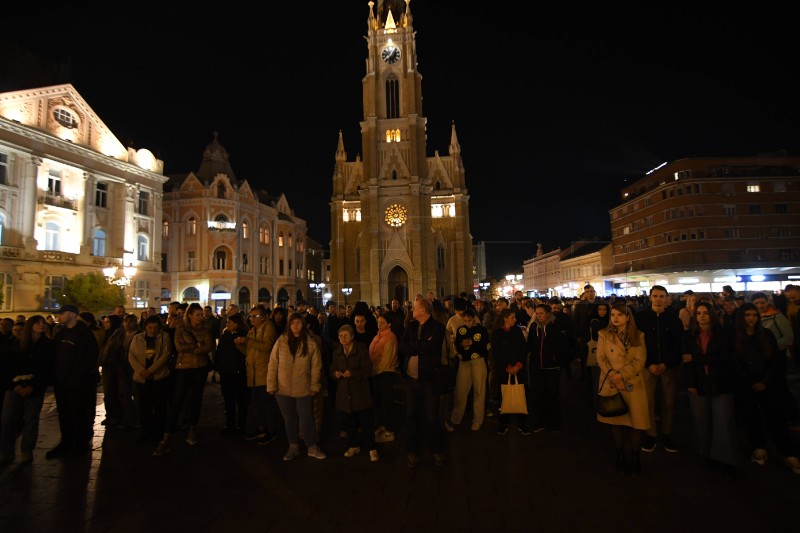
341,155
455,148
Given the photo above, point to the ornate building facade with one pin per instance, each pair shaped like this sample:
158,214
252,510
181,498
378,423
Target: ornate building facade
72,199
225,242
399,218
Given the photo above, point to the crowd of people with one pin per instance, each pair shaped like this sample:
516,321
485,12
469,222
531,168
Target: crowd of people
281,369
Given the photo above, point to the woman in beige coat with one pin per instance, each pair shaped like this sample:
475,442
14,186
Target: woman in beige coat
294,375
621,355
148,355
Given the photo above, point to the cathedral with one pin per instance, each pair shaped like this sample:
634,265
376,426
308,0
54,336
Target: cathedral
399,218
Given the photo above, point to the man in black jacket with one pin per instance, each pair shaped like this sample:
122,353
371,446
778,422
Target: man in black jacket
663,331
422,348
76,373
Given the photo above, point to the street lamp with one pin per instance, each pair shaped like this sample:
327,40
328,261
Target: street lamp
484,285
347,291
317,287
122,277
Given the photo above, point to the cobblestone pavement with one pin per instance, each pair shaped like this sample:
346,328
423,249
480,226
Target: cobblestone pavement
546,481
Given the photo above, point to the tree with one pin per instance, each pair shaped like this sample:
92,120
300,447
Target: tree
90,292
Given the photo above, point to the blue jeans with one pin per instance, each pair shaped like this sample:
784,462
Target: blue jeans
298,412
422,416
15,407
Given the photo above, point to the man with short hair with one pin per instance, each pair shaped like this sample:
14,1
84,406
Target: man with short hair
120,311
663,333
395,316
258,347
422,347
75,387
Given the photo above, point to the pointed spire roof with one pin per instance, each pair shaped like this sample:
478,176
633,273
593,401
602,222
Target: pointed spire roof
341,155
455,148
215,161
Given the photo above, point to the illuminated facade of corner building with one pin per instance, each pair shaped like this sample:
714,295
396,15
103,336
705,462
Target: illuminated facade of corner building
399,219
73,199
225,242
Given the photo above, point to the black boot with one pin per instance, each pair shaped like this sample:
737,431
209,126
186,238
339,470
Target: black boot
620,461
636,464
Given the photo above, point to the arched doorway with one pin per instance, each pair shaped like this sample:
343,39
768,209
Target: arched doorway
398,284
264,296
283,297
244,299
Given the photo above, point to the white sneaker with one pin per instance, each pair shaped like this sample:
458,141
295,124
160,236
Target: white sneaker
792,463
386,436
373,456
760,456
349,453
316,453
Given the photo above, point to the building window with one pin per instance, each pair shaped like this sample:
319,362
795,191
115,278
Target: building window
291,241
65,118
142,248
730,210
53,286
191,226
280,267
101,195
779,186
755,209
51,231
781,209
245,230
785,255
263,264
3,168
165,229
164,262
54,183
439,258
263,235
7,287
280,238
220,260
141,293
191,261
783,232
2,226
732,233
753,188
144,198
244,263
99,243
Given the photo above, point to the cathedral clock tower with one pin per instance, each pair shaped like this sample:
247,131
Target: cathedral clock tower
399,218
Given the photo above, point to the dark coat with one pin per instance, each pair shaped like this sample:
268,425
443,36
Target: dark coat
663,334
550,344
715,371
231,358
428,343
509,348
77,357
352,394
32,368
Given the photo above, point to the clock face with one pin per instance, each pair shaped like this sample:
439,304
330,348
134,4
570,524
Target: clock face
396,215
390,54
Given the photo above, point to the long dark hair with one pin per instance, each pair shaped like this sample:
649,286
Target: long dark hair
716,325
238,319
760,334
26,339
501,318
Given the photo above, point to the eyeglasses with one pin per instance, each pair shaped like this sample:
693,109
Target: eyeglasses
255,316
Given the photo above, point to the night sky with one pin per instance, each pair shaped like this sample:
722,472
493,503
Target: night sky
555,110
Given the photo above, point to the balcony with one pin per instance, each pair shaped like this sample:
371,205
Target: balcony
10,252
57,200
54,256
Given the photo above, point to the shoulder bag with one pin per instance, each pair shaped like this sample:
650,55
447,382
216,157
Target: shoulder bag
610,406
513,395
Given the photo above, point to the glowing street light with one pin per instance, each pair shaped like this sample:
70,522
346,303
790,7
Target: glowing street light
347,291
317,287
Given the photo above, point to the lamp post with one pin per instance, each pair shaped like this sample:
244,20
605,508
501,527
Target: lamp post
484,285
317,287
347,291
120,276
